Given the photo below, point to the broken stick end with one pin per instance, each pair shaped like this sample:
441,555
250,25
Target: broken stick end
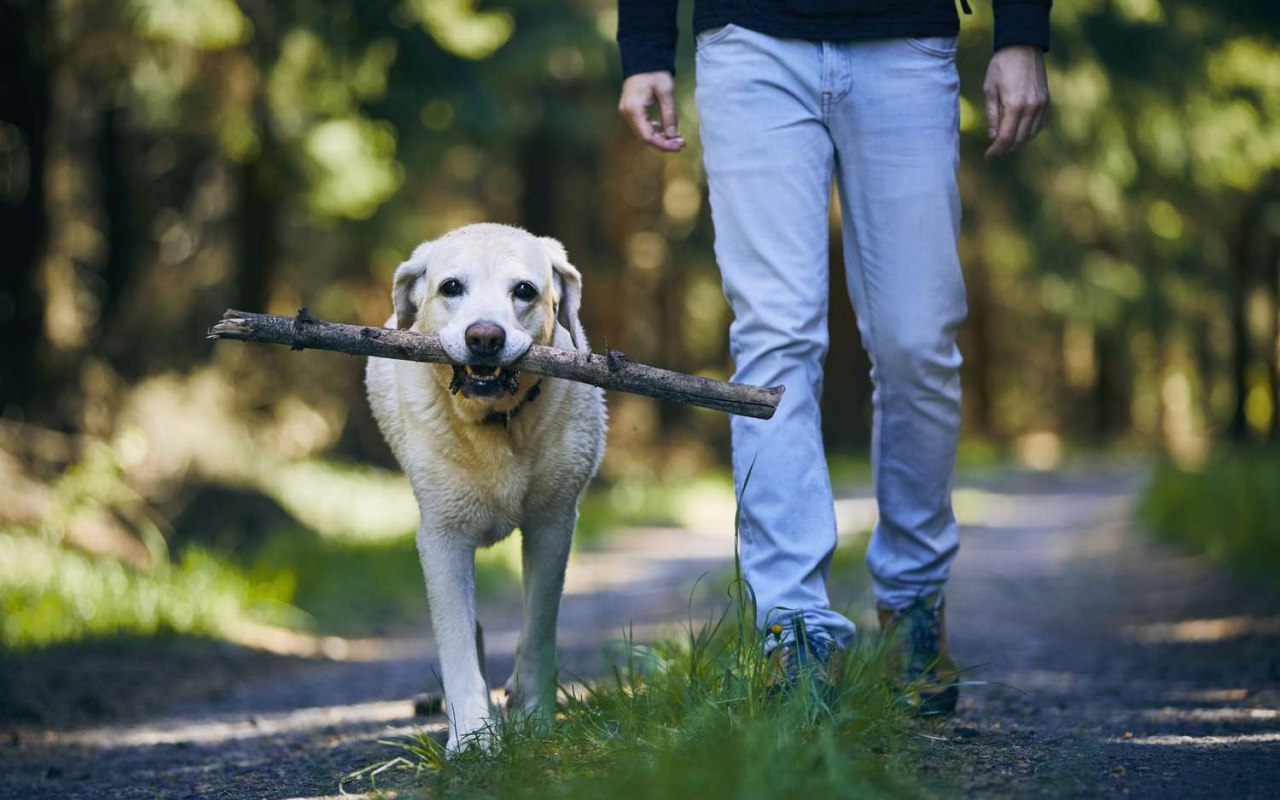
229,328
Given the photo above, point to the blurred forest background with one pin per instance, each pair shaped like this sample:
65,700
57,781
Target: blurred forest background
163,160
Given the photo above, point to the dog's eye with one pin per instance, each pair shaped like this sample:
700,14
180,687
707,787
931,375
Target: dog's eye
525,291
451,288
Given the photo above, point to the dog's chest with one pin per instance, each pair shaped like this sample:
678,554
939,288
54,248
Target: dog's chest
484,495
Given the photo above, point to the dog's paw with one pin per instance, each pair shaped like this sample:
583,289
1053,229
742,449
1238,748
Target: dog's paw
482,740
524,700
472,728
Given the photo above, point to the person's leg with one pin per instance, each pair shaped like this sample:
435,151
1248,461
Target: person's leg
896,132
769,163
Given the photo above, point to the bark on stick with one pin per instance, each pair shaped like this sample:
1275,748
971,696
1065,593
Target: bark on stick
612,371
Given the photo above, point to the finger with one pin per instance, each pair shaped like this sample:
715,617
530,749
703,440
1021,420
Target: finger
1026,126
638,118
635,110
667,107
1010,116
1042,120
992,110
636,113
652,133
660,140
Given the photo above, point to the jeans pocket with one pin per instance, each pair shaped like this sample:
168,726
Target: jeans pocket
939,46
710,36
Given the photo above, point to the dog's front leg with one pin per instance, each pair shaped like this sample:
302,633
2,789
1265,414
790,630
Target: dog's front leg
449,566
545,552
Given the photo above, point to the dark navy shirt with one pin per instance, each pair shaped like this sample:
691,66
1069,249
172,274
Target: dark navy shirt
647,28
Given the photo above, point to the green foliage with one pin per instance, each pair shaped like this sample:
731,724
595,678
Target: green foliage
689,718
366,587
346,565
652,503
51,594
1230,509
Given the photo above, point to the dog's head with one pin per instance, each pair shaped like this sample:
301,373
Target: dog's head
489,292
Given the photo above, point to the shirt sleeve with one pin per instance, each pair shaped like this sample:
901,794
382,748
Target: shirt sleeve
647,34
1022,22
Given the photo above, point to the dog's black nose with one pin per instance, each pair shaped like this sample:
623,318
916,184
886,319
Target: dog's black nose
485,339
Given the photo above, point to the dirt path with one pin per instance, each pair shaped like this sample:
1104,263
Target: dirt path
1114,666
1108,666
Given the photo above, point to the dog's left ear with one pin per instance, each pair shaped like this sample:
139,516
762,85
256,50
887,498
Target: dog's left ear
569,284
404,285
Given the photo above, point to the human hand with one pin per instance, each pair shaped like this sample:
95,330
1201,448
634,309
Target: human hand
1017,92
639,93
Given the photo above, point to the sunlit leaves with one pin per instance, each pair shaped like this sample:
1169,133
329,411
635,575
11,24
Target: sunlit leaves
352,166
1230,145
1164,220
310,81
315,95
1249,63
1162,136
1140,11
462,30
1080,92
207,24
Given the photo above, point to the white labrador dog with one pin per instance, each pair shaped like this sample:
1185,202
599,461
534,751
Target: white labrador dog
487,449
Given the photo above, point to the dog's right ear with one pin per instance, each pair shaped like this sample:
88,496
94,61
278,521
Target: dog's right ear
405,286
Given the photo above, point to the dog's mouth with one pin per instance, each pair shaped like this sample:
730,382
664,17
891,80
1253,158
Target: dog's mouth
484,380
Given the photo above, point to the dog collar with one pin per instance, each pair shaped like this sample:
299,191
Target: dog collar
504,418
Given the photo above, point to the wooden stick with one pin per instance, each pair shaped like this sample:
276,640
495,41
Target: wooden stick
612,371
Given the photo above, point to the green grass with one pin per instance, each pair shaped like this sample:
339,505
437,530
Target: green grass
1229,509
685,718
356,533
692,717
51,594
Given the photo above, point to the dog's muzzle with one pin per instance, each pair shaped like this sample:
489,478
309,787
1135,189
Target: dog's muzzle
484,380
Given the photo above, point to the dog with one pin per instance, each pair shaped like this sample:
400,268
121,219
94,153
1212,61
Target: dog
488,449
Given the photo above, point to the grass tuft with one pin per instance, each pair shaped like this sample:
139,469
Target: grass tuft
691,717
52,594
1229,509
686,718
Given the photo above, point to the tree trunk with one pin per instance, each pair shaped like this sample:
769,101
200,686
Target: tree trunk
846,393
1273,353
25,103
1111,391
1238,294
263,179
117,207
259,221
981,397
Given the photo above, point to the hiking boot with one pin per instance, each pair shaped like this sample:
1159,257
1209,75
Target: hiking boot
919,657
803,659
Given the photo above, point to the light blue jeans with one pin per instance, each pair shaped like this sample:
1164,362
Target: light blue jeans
781,119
